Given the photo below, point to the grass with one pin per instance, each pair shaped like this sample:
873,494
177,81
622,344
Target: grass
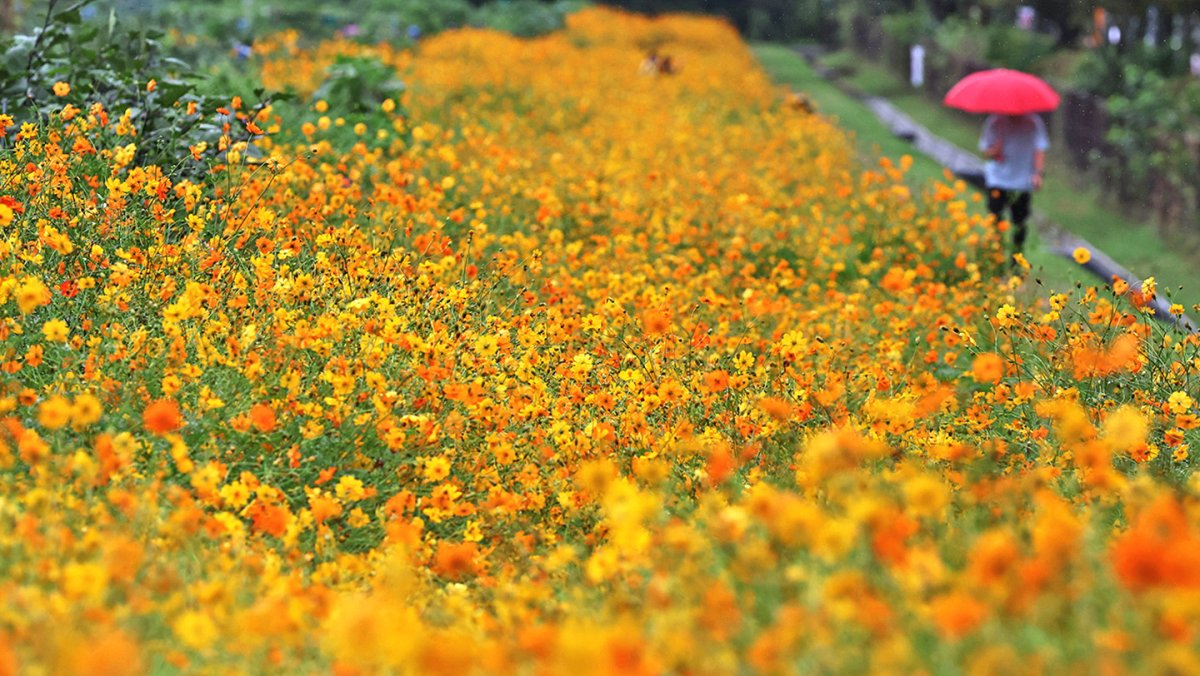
1068,199
874,139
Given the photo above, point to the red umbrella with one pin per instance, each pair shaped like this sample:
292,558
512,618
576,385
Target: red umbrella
1002,91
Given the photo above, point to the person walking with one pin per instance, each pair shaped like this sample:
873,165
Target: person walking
1015,147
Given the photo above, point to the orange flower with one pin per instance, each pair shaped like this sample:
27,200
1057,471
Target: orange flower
61,88
324,507
716,381
655,322
958,614
1161,550
262,417
1121,355
455,560
775,407
269,519
890,535
110,652
993,557
162,417
720,465
988,367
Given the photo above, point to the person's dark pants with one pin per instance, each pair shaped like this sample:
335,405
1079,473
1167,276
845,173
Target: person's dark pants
1017,203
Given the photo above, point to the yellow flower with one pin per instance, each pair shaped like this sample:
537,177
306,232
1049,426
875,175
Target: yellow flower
350,488
61,88
1179,402
581,365
86,410
195,629
1125,428
55,331
84,580
54,413
1149,287
235,495
371,632
1006,316
358,518
436,469
925,495
31,294
1081,255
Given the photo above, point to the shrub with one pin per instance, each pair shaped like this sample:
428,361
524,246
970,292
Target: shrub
358,84
909,27
524,18
128,73
1012,47
1149,116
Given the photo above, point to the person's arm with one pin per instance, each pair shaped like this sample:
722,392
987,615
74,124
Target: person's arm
990,143
1041,141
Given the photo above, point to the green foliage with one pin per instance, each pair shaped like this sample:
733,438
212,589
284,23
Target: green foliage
961,37
1149,116
113,66
1102,71
395,21
1139,100
908,28
996,44
524,18
358,84
1012,47
429,16
1099,72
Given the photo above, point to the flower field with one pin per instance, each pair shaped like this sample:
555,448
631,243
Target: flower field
547,366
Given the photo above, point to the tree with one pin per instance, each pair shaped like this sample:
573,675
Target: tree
7,26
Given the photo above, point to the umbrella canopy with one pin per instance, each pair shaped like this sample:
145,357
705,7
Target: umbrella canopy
1002,91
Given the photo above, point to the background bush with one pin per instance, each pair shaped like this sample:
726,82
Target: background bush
130,72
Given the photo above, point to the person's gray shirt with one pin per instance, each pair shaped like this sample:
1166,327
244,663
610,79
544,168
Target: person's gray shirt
1020,136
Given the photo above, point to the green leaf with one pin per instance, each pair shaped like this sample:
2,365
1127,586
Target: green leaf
178,63
171,92
68,16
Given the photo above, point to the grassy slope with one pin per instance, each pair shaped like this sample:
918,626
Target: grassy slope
874,139
1065,199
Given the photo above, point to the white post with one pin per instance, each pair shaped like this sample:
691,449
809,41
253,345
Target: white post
917,68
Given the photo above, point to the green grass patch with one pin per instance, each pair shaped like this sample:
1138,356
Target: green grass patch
871,136
874,139
1072,201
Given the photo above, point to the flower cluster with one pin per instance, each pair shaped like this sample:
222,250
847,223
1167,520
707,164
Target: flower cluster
549,365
